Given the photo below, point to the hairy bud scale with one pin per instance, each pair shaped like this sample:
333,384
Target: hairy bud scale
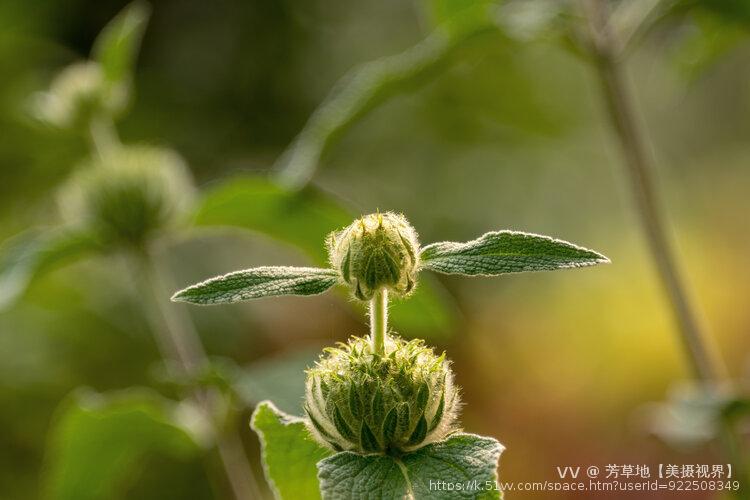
376,251
368,403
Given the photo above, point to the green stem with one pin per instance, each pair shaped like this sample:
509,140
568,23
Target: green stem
180,344
379,320
103,135
701,351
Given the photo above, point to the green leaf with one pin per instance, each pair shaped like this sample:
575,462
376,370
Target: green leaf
370,84
464,459
501,252
303,218
429,311
267,281
281,377
98,441
528,20
708,40
34,252
289,453
442,11
116,47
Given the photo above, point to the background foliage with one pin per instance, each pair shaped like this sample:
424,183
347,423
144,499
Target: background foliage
505,131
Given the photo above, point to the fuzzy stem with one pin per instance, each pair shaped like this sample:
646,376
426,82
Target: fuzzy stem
181,345
702,352
103,135
379,320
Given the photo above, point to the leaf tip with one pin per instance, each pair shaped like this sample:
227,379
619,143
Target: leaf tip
180,296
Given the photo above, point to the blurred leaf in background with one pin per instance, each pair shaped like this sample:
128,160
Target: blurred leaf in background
100,442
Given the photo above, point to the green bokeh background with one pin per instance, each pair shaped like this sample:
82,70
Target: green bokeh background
557,366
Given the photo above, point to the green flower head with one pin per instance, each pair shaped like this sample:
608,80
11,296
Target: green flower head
78,94
391,403
374,252
129,194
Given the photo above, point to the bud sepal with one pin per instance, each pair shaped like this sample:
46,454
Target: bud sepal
376,251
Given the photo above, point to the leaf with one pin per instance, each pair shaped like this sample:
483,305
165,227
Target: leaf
98,441
281,377
501,252
116,47
430,311
34,252
464,459
528,20
267,281
303,218
289,453
442,11
370,84
706,43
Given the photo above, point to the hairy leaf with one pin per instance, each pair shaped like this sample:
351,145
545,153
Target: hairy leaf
303,218
34,252
116,47
289,453
268,281
99,440
365,87
464,459
501,252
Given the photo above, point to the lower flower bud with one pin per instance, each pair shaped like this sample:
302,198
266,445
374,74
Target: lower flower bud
367,403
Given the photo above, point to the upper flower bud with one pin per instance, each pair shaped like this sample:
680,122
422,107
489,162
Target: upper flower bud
129,193
79,93
363,402
374,252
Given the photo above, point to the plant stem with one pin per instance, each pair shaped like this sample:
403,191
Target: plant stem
379,320
702,353
179,344
103,135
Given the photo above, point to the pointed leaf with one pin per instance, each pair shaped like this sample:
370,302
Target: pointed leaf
300,218
116,47
259,282
303,218
365,87
464,459
99,440
289,453
31,254
501,252
280,377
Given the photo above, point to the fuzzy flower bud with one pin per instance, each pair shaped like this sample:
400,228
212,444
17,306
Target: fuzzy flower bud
129,194
78,94
377,251
362,402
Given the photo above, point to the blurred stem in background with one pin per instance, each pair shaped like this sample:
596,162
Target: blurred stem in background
702,352
179,344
